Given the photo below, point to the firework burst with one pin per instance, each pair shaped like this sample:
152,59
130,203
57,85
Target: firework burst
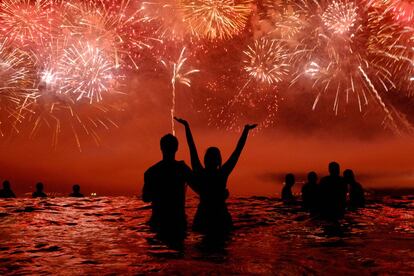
216,19
340,17
86,72
284,18
266,61
26,21
334,56
78,69
117,27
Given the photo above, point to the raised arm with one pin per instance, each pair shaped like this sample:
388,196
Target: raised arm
234,157
195,160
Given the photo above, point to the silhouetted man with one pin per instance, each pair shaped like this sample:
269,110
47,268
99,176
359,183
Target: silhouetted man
310,193
76,191
165,188
287,195
39,191
6,192
356,192
333,192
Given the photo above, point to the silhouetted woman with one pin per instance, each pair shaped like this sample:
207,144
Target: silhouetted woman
356,192
212,215
287,195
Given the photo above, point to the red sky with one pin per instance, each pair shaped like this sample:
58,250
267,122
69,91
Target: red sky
117,166
299,140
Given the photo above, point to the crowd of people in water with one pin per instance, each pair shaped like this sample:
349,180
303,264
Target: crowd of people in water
7,192
329,197
165,188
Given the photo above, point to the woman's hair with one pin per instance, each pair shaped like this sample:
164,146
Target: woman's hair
212,158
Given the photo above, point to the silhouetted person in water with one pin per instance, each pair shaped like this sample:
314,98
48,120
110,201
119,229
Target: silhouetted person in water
333,192
356,192
212,216
76,191
39,191
165,187
310,193
287,195
6,192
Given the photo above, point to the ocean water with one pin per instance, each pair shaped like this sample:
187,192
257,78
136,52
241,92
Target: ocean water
109,235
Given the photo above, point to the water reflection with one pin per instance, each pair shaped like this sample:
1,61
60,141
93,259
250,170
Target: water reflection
104,234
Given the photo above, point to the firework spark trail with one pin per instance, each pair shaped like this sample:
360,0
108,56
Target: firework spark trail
26,21
169,18
16,83
216,19
379,98
285,20
401,10
178,75
393,45
118,27
61,114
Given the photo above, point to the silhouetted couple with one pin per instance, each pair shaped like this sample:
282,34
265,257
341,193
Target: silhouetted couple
165,187
334,189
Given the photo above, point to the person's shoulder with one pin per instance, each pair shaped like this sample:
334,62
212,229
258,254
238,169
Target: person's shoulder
154,167
182,164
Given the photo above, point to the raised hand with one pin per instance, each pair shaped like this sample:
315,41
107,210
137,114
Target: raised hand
181,121
250,126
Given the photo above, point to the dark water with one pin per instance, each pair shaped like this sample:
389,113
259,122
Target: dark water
108,235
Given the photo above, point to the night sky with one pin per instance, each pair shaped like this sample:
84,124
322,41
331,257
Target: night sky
294,135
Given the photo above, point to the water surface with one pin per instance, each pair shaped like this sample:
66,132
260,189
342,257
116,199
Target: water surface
108,235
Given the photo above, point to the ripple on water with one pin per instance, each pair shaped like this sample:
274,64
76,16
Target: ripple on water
110,235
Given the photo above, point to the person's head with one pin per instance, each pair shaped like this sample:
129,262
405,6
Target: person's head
312,177
6,185
76,188
212,158
169,146
39,186
290,179
349,175
334,169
